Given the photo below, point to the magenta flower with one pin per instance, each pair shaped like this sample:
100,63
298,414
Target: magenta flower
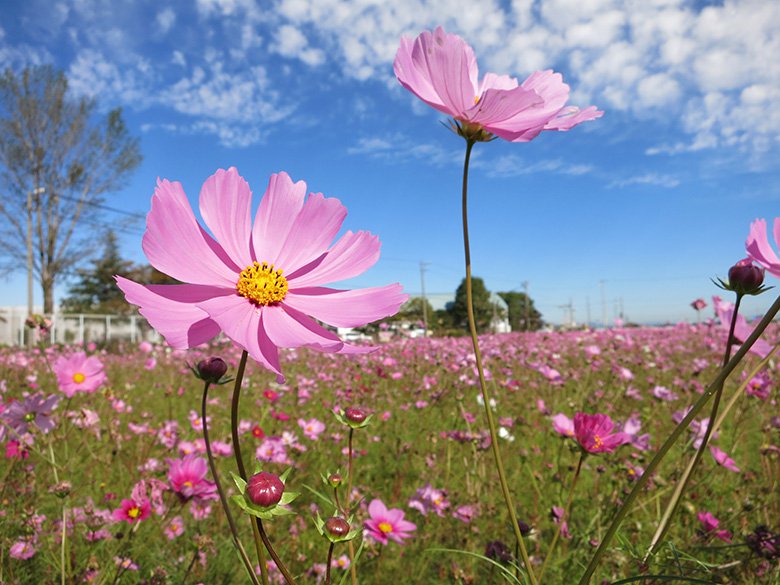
441,69
79,373
699,304
722,458
132,511
187,477
758,247
594,433
709,524
384,524
257,282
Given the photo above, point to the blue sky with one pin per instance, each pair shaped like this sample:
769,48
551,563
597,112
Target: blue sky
653,199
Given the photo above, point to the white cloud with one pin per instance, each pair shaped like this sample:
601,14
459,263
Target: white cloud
291,42
656,179
512,165
165,20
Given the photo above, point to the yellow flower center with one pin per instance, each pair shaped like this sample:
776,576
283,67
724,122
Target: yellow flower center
261,284
476,100
188,483
134,513
385,527
597,442
78,377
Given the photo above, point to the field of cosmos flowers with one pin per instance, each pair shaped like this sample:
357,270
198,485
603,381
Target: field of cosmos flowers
253,445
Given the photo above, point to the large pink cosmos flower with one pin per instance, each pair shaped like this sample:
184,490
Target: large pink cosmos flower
384,525
256,282
79,373
594,433
758,247
187,477
441,70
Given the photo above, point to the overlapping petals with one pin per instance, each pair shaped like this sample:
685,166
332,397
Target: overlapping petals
441,70
759,249
291,232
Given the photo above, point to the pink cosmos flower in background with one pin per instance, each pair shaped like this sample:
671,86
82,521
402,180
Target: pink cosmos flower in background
132,511
699,304
758,247
722,458
79,373
312,429
594,433
187,477
384,525
258,282
441,69
563,425
427,499
22,549
709,524
742,329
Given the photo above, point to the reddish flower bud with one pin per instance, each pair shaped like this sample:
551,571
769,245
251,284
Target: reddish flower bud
355,415
337,527
335,479
212,369
746,277
265,489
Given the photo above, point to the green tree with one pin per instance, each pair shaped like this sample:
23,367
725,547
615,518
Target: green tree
484,311
57,161
416,309
95,290
523,316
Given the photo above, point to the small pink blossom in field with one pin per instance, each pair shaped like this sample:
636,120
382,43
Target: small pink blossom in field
259,283
150,364
22,550
125,563
441,70
79,373
592,350
257,432
187,477
551,374
132,511
145,347
759,386
722,458
271,396
427,499
221,448
341,563
272,450
541,406
632,428
465,513
384,525
625,374
709,524
563,425
759,249
14,450
594,433
35,409
699,304
557,515
663,393
312,428
742,329
175,528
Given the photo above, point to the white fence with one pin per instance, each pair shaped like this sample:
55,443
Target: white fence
75,328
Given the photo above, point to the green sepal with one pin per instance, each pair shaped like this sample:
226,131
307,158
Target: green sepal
240,483
285,473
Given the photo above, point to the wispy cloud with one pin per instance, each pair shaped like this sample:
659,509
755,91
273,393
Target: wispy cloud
655,179
515,166
396,149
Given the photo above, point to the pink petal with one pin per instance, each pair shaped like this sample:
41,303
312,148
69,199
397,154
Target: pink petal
377,508
280,206
350,256
493,81
175,244
416,81
242,322
171,310
347,308
572,117
758,247
226,207
287,327
311,233
512,109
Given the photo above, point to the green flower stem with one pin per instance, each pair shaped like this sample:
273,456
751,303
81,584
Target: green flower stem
565,515
682,484
327,564
257,525
222,498
679,429
483,385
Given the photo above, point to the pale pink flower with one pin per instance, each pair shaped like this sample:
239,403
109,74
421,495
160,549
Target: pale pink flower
384,525
742,330
758,247
175,528
22,549
722,458
79,373
441,69
258,283
312,428
563,425
427,499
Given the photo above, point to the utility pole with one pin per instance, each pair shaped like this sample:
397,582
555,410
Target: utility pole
527,306
603,304
424,300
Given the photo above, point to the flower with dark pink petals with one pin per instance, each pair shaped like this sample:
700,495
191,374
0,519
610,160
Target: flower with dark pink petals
384,525
594,433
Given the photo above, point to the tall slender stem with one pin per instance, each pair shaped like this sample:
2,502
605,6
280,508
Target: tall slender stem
257,525
222,498
347,509
682,484
483,385
678,430
327,564
565,515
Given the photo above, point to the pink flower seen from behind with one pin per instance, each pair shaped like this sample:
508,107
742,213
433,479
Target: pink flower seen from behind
441,69
258,282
